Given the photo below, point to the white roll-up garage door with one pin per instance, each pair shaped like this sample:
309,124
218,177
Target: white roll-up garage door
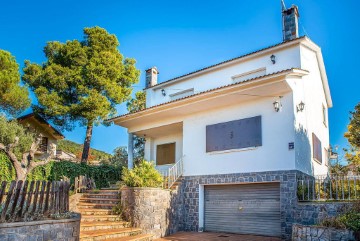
243,209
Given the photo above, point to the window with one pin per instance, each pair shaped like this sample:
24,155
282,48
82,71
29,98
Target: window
182,94
317,150
43,144
236,134
249,75
326,157
165,154
324,114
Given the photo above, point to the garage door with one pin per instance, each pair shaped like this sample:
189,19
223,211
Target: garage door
243,208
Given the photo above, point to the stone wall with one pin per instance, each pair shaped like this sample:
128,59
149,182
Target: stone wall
304,233
310,213
56,230
155,210
288,197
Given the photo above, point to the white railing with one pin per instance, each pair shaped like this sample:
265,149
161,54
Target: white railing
172,174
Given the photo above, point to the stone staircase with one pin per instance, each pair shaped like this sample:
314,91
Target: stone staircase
98,221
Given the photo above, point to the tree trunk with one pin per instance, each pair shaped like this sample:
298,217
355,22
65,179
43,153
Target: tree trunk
86,148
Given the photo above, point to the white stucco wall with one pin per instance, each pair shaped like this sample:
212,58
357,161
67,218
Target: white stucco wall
285,59
311,119
277,132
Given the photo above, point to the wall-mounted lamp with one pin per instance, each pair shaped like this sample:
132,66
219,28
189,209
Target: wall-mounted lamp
163,92
277,104
300,107
273,59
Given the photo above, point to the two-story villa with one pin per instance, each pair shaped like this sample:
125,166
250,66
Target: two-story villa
242,129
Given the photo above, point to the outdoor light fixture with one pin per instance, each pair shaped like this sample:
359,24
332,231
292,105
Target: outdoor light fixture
273,59
300,107
163,92
277,104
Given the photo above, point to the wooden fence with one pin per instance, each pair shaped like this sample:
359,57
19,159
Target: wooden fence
83,183
20,201
323,188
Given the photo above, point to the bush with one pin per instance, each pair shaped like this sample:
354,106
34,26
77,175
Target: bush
7,171
142,175
102,175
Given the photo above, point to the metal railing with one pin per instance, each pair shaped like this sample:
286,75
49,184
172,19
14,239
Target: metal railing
172,174
323,188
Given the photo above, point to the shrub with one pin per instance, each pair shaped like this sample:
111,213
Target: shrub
142,175
7,171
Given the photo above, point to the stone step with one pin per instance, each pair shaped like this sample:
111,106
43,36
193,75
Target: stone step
97,225
85,205
95,211
101,195
139,237
99,218
115,191
108,234
100,200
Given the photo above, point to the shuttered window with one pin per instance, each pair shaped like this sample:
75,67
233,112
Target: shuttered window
234,134
165,154
317,150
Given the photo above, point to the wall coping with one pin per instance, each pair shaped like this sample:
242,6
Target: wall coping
144,188
40,222
319,226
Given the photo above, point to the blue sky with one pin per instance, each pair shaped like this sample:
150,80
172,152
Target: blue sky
181,36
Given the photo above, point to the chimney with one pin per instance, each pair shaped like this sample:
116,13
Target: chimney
151,77
290,22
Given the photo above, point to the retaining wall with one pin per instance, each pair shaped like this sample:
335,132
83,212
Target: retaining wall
304,233
56,230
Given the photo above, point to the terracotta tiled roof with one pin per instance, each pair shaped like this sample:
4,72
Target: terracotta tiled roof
226,61
206,91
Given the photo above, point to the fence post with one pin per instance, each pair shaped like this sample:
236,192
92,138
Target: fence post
8,199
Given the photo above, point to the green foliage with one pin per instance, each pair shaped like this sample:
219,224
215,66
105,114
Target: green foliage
10,130
353,133
102,174
136,104
350,219
142,175
7,171
13,98
75,148
119,157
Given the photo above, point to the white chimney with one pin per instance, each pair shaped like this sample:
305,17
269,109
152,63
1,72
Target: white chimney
151,77
290,18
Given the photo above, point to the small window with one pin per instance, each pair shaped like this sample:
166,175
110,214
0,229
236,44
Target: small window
43,144
249,75
182,94
317,150
165,154
324,114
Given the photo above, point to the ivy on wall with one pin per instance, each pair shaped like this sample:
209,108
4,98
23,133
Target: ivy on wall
53,171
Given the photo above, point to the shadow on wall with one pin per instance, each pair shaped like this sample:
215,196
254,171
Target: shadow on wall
303,151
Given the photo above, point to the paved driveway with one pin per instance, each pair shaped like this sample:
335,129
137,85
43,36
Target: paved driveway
195,236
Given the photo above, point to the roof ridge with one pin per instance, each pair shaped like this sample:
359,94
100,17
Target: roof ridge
227,61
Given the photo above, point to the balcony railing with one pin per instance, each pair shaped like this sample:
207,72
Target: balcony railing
172,174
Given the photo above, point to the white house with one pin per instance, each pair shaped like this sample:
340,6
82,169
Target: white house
243,129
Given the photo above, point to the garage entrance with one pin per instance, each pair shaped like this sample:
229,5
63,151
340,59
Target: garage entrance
243,209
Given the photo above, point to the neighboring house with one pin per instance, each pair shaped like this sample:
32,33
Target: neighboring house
66,156
50,135
260,119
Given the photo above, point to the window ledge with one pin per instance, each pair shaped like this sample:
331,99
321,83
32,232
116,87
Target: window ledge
233,150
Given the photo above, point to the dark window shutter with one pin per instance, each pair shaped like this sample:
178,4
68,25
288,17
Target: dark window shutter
234,134
317,150
165,154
